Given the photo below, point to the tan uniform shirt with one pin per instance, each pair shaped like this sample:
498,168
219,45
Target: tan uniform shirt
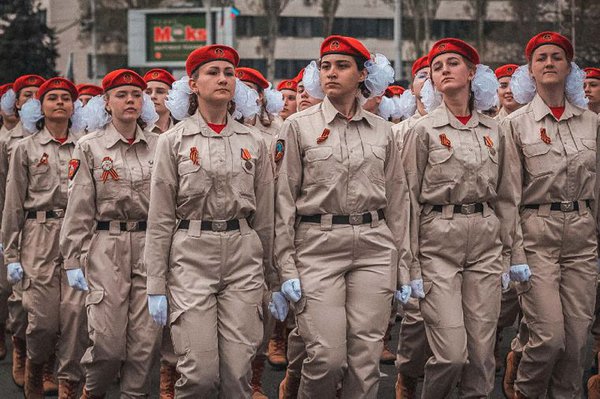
220,185
449,163
112,183
37,181
356,169
7,143
155,129
501,115
550,160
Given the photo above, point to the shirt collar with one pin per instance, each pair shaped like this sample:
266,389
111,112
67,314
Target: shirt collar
197,125
330,112
45,137
442,117
113,136
540,109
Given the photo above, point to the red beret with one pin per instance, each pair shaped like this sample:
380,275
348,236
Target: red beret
589,73
288,84
419,64
57,84
122,77
299,77
505,70
251,75
549,38
27,81
214,52
394,90
5,88
452,45
89,89
159,75
344,45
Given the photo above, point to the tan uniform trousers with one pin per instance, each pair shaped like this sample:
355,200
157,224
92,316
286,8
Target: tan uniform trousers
215,286
413,348
596,323
348,277
558,301
5,291
123,336
509,308
17,316
56,312
296,354
462,301
167,352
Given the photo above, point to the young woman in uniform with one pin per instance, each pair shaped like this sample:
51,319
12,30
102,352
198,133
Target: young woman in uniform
34,209
454,159
551,145
209,244
104,231
342,209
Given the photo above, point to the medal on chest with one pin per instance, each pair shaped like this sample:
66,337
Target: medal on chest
246,156
445,141
323,137
489,144
108,170
43,160
194,157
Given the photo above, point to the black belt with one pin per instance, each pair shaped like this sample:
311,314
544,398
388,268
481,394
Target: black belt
124,226
564,206
465,209
358,218
225,225
57,214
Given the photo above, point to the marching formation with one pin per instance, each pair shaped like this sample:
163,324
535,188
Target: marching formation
214,223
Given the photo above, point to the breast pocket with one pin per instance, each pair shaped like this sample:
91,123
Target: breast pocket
193,180
491,160
40,177
245,179
539,159
439,165
109,183
587,153
319,164
375,161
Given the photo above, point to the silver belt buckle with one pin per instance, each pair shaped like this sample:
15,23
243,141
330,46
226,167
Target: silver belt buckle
59,213
467,209
219,226
131,226
356,218
567,206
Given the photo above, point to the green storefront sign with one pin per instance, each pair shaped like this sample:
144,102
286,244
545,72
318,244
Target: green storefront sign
171,37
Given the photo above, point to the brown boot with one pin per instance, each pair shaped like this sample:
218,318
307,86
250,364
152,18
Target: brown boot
67,389
50,381
3,350
168,377
406,387
34,386
593,387
277,347
19,356
288,389
87,395
510,374
258,366
387,356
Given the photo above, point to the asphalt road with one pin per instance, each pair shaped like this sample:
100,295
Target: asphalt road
271,378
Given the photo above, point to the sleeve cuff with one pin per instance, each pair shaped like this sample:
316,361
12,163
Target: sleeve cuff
156,286
518,258
72,263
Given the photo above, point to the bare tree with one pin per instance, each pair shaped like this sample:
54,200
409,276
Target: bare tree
581,17
479,11
328,10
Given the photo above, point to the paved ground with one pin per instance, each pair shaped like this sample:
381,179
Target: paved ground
271,379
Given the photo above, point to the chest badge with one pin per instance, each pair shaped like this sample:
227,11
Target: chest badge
445,141
544,136
73,168
43,160
108,170
246,156
489,144
279,150
194,157
323,137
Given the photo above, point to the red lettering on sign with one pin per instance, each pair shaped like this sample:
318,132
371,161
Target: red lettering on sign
162,34
195,35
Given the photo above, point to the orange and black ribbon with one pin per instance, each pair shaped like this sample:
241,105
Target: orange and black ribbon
73,168
194,156
108,170
43,160
544,136
246,156
323,136
488,141
445,141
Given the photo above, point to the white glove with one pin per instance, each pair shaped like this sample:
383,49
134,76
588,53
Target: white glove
157,306
278,306
77,280
291,289
520,273
14,272
403,294
505,281
417,288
